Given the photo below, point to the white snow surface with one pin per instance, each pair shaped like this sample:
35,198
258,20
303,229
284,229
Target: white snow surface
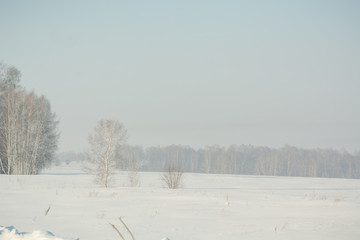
208,207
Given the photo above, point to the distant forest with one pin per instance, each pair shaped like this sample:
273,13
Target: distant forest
239,159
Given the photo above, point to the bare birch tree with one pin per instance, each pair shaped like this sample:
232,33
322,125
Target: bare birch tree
28,132
108,135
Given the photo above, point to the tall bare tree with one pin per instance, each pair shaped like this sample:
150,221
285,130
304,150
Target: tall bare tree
108,135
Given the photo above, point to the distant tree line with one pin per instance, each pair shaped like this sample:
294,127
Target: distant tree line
28,128
69,157
250,160
243,159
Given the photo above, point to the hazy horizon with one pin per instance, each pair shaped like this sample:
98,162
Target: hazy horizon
193,73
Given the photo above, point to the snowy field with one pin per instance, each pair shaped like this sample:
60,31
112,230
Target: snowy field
208,207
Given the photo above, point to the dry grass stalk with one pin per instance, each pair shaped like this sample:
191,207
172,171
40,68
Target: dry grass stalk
337,200
126,227
117,230
280,229
47,210
132,236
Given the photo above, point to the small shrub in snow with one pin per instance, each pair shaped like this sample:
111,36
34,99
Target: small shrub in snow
172,176
134,179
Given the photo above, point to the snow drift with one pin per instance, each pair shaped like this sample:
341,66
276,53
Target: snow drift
7,233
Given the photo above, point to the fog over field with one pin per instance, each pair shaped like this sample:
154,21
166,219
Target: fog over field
193,73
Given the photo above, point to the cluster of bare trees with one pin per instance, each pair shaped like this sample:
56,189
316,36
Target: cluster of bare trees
108,152
28,128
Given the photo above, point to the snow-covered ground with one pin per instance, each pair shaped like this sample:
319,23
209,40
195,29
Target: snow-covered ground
208,207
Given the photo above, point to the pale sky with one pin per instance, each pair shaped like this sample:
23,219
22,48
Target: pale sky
194,73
